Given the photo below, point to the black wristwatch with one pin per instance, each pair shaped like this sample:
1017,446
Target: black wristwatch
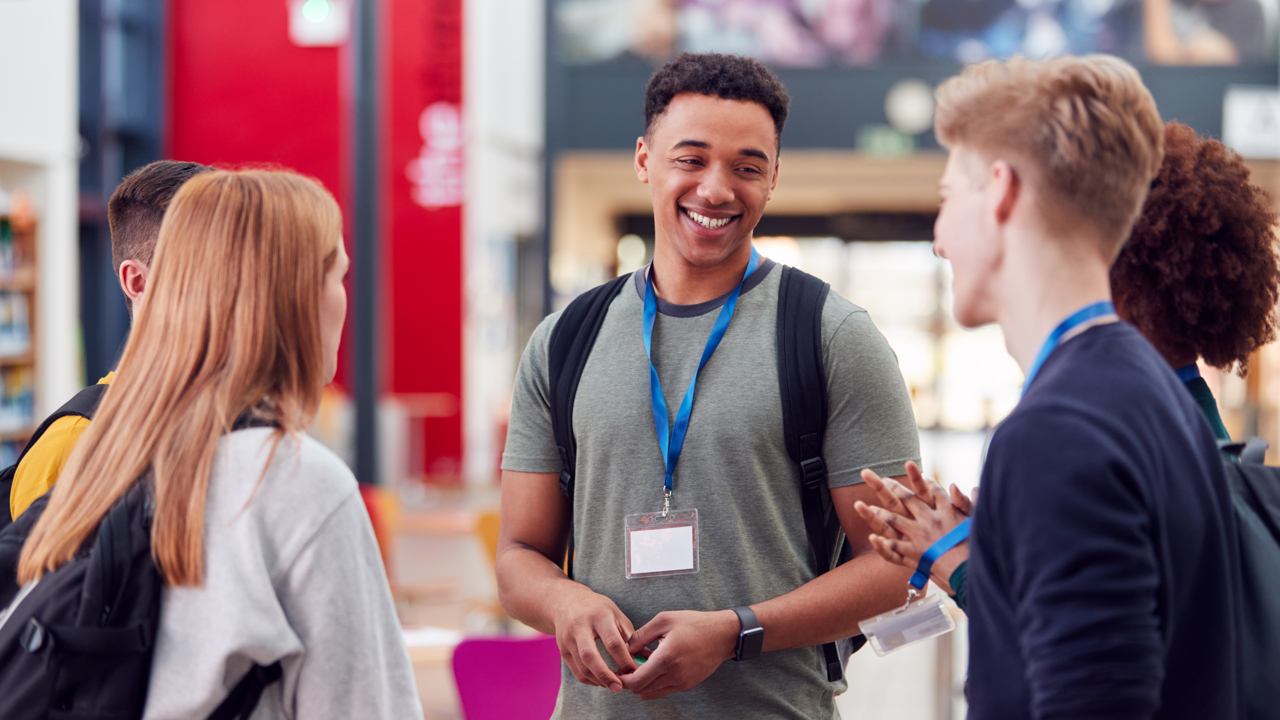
751,637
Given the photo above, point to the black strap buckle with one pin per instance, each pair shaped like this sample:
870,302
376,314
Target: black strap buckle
566,472
814,471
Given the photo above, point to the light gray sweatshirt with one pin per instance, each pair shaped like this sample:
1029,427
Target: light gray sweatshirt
292,573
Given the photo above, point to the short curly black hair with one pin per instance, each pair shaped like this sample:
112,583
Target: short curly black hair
731,77
1199,275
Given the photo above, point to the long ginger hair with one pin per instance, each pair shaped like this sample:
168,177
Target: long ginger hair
231,324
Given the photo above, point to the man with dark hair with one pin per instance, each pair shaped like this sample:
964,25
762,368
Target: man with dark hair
741,566
134,213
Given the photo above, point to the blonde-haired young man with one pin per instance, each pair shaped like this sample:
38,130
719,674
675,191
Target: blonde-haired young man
1103,582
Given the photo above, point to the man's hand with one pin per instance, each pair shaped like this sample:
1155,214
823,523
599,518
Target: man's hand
580,619
691,645
535,591
913,520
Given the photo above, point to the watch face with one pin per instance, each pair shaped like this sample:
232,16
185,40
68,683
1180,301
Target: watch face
750,643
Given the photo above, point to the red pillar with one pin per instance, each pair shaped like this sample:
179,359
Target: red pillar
240,92
424,189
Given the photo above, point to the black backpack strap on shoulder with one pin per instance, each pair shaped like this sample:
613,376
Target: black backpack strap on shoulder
571,342
802,381
244,697
83,404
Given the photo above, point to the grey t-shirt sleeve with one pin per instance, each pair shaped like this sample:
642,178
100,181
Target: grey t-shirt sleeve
531,442
870,423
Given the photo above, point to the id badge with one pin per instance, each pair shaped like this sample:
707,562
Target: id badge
918,620
660,544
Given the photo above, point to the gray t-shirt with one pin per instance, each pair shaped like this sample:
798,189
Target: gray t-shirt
734,470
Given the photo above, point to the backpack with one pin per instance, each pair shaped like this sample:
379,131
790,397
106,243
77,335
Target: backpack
801,379
77,645
1255,495
82,404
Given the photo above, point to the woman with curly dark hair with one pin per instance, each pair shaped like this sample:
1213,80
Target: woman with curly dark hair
1199,277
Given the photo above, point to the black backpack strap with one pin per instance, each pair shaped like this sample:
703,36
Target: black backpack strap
244,697
83,404
802,381
571,341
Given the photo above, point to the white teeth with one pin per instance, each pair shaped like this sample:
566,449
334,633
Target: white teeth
706,222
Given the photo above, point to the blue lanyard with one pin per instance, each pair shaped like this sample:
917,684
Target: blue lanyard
957,535
1187,373
671,439
1080,317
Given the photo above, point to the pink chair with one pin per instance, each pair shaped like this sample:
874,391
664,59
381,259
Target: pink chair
507,678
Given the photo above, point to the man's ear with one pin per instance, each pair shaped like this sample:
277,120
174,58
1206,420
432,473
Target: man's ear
773,185
1004,190
642,160
133,279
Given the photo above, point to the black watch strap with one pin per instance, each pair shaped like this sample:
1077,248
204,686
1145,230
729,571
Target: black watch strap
750,637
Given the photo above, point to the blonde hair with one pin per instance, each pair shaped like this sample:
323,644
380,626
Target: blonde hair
231,324
1086,128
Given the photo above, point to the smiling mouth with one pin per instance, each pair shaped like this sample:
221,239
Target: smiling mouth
706,222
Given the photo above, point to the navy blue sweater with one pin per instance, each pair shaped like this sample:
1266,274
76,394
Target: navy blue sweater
1104,581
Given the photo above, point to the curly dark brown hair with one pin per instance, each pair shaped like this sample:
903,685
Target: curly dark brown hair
1199,275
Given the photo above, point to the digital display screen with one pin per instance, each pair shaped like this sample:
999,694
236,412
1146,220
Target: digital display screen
826,33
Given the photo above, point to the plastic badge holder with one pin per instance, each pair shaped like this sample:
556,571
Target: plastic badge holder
661,543
917,620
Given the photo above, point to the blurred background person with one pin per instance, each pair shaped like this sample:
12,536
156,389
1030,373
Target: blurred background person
1206,32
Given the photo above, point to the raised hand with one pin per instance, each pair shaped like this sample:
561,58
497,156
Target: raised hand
913,519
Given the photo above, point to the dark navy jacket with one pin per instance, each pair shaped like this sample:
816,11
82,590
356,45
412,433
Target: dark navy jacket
1103,580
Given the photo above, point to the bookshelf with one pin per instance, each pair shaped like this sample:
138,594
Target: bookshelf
18,245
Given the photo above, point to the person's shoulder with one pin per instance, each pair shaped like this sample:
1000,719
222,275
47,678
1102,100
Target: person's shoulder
1053,441
295,469
43,462
1113,375
849,329
840,315
60,437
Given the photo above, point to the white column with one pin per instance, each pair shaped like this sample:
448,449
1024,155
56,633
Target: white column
503,97
39,148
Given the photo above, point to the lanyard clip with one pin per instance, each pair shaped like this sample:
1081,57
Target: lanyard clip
912,595
666,502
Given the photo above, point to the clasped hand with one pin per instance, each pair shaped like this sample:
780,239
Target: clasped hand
914,519
691,645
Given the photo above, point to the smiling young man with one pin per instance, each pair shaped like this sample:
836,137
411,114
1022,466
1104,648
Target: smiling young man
710,158
1103,581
